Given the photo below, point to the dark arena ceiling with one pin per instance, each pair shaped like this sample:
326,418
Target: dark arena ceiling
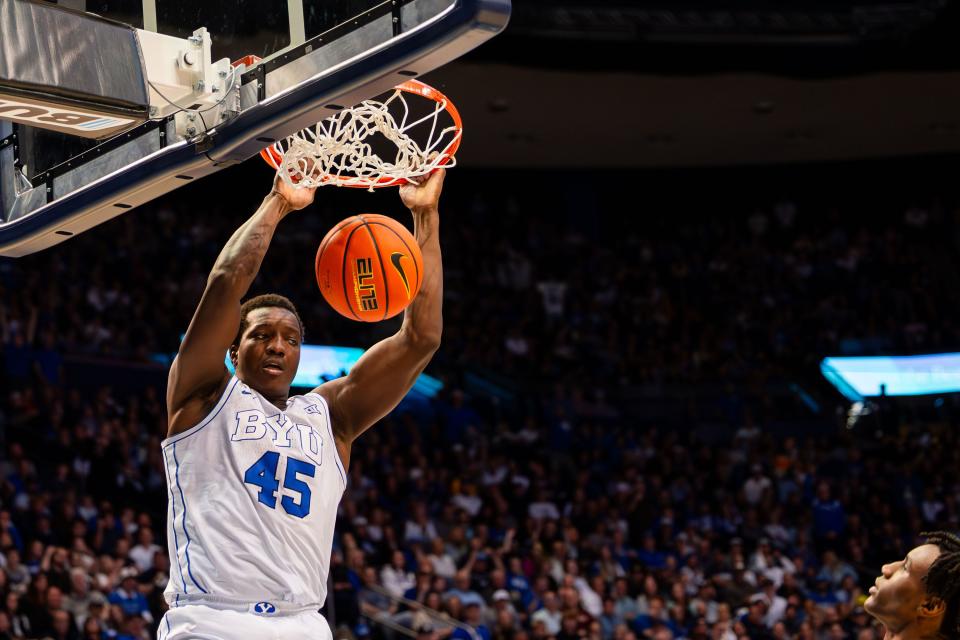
681,83
807,37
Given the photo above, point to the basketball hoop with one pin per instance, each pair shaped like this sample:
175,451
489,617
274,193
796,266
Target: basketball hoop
339,151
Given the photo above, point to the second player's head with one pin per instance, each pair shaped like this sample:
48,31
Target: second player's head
919,596
266,351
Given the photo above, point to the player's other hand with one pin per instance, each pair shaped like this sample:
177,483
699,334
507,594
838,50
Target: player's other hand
426,195
296,198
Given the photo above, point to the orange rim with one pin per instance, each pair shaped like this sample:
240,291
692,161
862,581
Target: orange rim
273,157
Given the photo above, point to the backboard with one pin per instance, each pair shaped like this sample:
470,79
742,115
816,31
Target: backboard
317,56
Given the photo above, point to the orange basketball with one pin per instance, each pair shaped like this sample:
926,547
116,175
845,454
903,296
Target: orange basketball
369,267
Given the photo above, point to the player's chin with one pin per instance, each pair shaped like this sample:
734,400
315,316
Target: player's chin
271,383
280,383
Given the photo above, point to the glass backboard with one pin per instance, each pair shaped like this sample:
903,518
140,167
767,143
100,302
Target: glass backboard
238,27
317,56
264,28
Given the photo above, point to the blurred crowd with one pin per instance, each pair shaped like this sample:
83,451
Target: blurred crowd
558,518
550,284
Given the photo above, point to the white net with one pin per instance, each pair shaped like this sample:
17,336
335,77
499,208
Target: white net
339,151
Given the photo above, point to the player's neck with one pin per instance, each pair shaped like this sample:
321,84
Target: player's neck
280,402
277,400
913,632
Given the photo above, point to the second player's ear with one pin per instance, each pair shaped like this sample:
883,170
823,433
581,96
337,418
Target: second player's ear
933,607
234,357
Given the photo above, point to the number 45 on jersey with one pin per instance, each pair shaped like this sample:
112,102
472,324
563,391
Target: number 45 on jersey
263,474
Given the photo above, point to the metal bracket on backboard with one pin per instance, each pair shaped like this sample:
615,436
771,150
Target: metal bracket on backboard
181,74
13,141
19,180
397,15
23,183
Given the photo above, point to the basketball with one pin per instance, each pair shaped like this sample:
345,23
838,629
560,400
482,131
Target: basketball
369,267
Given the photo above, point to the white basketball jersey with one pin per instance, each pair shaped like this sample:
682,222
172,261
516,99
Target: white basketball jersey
253,495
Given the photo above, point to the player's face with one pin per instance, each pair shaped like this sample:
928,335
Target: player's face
897,595
269,351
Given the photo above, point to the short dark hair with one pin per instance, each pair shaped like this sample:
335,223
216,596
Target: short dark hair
943,579
259,302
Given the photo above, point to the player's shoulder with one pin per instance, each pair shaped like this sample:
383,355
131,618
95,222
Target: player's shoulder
310,402
200,406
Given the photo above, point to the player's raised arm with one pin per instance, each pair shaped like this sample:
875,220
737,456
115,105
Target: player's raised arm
198,375
384,374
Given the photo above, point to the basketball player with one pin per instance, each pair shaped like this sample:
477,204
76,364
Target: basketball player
919,596
254,475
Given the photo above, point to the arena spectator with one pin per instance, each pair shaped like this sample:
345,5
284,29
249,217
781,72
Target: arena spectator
19,622
374,603
395,577
474,621
142,554
549,615
127,600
